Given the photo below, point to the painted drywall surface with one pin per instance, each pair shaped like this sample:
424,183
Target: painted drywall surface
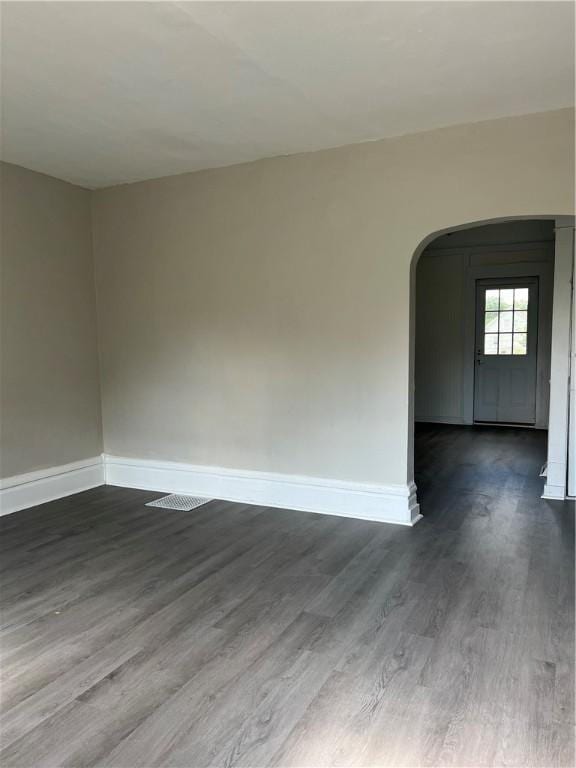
442,311
50,393
257,317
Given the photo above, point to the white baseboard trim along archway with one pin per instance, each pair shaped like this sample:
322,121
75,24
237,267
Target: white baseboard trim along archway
364,501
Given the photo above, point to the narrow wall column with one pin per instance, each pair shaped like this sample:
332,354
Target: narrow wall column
555,487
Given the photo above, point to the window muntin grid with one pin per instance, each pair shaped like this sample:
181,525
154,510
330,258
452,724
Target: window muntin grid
506,321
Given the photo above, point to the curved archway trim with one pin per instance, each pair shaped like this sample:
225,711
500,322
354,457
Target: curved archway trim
562,330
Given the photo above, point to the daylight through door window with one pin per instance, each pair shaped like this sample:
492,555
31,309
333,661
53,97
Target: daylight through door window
506,321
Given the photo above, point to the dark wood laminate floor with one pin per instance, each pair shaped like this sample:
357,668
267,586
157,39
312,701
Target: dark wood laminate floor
243,636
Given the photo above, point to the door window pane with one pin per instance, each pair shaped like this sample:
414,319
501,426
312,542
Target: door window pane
506,321
520,298
504,343
520,321
490,343
506,298
492,299
519,343
491,322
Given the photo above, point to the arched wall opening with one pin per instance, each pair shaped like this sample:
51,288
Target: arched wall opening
557,416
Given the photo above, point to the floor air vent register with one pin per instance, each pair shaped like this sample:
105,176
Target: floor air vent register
176,501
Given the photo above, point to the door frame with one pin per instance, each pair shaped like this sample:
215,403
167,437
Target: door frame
544,272
533,326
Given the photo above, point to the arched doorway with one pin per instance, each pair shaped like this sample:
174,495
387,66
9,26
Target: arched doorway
536,251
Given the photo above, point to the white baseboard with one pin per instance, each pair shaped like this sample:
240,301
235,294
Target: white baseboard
28,490
554,492
555,487
456,420
382,503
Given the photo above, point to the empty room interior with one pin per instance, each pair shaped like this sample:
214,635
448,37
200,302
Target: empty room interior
287,384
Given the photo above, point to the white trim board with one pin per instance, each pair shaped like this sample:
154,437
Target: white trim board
557,476
381,503
554,492
33,488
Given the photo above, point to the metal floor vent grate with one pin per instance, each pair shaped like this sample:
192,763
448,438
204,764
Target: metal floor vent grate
176,501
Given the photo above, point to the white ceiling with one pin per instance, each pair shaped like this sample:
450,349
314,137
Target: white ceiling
100,93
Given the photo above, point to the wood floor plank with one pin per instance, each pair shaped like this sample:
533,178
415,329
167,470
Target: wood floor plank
236,635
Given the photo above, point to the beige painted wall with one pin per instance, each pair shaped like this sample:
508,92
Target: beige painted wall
258,316
50,395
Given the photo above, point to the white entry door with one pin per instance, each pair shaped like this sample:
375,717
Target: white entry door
506,351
